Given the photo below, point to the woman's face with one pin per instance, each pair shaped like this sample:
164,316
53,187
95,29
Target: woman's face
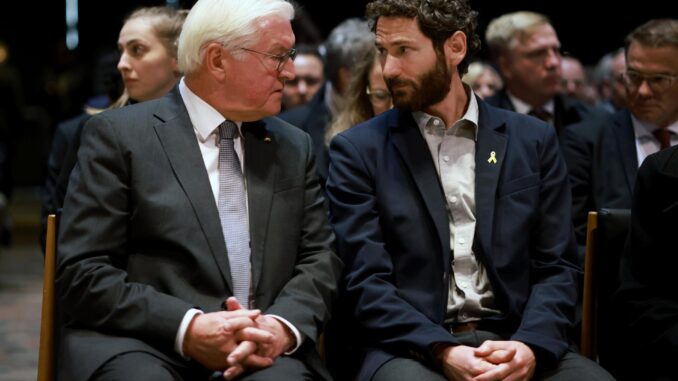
147,68
379,94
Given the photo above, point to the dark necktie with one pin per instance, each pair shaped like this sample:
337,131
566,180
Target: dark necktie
540,113
233,213
663,135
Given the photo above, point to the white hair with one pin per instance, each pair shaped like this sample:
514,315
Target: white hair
231,23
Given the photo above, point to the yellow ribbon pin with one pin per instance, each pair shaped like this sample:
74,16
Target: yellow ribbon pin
493,158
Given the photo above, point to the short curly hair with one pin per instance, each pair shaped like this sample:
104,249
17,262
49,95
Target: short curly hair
437,19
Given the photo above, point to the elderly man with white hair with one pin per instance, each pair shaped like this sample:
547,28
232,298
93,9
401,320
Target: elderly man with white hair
197,242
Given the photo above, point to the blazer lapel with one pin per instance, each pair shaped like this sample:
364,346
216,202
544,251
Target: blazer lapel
177,137
260,172
490,152
626,140
412,147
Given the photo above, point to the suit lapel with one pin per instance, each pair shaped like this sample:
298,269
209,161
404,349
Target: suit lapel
412,147
626,140
178,139
260,174
490,152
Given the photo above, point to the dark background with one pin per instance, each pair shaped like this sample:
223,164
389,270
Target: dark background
55,81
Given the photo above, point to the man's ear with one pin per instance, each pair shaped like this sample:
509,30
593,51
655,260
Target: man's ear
455,48
216,60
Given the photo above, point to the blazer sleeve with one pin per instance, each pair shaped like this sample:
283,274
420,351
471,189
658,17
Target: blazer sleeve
647,294
386,319
549,310
306,299
93,232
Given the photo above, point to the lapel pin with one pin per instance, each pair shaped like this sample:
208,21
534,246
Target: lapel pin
493,158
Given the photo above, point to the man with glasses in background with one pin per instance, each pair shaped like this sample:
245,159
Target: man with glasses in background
603,154
197,242
309,78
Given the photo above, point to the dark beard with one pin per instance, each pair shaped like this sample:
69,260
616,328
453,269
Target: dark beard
415,97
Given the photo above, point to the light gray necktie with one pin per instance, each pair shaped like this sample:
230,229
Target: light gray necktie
233,212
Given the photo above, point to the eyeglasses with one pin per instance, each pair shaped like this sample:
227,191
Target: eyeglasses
378,97
281,59
657,82
310,81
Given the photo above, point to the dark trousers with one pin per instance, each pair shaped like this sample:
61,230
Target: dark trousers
572,367
142,366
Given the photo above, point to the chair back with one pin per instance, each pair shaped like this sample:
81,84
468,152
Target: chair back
606,236
46,356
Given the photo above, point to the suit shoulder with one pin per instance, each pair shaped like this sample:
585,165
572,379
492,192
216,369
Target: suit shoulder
371,130
296,116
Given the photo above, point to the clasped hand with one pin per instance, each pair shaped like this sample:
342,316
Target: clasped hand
493,360
236,340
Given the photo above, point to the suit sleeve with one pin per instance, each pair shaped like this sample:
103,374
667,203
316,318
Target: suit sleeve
385,318
550,308
305,300
93,234
578,155
649,305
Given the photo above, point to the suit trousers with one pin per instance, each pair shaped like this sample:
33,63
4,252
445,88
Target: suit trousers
572,367
142,366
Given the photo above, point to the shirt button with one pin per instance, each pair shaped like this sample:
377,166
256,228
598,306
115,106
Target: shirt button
453,199
446,158
462,241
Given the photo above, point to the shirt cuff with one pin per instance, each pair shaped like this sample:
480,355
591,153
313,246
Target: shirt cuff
179,340
295,331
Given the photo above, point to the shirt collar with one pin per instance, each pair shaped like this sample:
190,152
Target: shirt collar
523,108
204,117
643,129
471,115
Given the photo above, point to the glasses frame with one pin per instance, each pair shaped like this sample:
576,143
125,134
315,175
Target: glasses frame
378,101
652,80
281,58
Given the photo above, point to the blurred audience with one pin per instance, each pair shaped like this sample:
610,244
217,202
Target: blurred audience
603,153
11,127
526,49
308,79
343,48
366,96
148,66
575,81
483,79
609,81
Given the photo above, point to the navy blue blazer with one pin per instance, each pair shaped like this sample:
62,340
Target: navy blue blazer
389,215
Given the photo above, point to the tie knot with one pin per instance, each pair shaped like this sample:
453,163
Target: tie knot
663,135
227,130
541,114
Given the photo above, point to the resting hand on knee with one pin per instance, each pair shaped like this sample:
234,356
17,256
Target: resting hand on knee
514,360
212,337
460,362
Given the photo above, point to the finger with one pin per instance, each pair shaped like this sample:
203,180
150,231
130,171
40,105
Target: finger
252,314
501,356
232,326
232,304
256,335
240,353
233,371
498,372
487,347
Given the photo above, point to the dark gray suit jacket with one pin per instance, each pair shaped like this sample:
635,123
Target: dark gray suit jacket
141,242
602,164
